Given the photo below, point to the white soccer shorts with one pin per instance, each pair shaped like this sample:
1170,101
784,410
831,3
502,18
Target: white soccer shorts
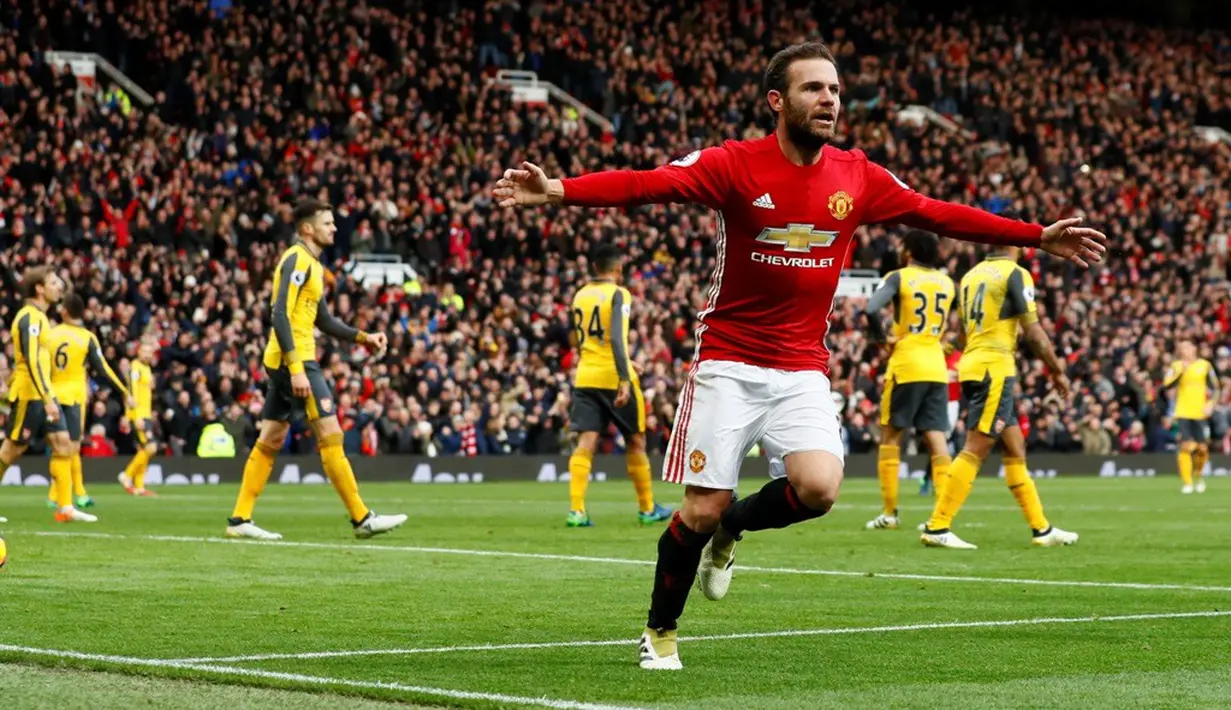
726,407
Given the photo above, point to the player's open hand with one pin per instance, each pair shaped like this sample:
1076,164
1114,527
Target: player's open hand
1081,245
526,186
53,411
623,393
300,386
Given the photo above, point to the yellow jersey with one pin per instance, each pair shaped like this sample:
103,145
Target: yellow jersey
31,333
141,386
600,318
997,295
72,349
1194,383
921,300
299,285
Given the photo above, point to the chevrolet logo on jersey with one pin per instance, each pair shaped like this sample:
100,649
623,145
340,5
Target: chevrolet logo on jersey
797,237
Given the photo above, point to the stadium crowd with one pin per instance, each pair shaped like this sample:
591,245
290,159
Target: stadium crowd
170,218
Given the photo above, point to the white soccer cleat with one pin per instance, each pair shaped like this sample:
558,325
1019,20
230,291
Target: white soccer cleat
250,530
717,565
1054,537
883,522
1187,489
945,539
374,525
659,651
3,519
1200,487
72,515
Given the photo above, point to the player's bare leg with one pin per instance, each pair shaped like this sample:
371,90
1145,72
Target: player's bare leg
679,553
888,462
579,464
338,469
257,470
808,491
61,469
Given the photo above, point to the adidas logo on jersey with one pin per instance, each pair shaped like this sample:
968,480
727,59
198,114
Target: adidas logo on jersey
763,202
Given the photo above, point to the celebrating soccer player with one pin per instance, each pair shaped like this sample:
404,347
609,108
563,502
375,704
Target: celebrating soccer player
73,347
1196,385
296,385
36,411
789,205
916,379
997,296
606,389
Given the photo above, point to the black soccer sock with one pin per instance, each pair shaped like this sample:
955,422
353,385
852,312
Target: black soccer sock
679,553
776,505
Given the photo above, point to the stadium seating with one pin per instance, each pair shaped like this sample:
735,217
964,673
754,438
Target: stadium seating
170,218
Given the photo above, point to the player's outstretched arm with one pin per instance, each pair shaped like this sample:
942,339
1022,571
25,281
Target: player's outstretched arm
894,201
331,326
702,177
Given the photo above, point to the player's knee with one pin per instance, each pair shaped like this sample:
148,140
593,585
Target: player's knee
151,449
819,492
588,441
635,444
703,513
326,426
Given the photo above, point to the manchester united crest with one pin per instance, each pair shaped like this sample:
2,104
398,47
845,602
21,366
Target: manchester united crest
696,461
840,204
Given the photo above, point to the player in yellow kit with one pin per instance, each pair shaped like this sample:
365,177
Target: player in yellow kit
35,410
606,389
141,415
1197,388
997,297
73,347
296,385
916,380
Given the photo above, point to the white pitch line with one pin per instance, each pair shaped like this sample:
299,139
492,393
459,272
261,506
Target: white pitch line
649,563
313,680
626,561
719,637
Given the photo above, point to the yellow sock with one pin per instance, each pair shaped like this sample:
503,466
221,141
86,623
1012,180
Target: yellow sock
639,471
941,465
337,468
136,468
956,490
257,469
887,471
78,481
1022,486
1201,455
51,490
1186,464
579,478
61,469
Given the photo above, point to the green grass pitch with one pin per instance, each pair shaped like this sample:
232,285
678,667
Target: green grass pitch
149,607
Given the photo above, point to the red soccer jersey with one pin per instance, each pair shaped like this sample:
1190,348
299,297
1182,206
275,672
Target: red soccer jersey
955,387
783,235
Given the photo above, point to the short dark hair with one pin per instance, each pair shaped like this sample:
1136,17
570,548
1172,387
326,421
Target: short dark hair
923,247
606,258
74,306
775,73
306,209
34,277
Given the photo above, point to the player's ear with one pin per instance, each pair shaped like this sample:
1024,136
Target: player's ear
776,100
